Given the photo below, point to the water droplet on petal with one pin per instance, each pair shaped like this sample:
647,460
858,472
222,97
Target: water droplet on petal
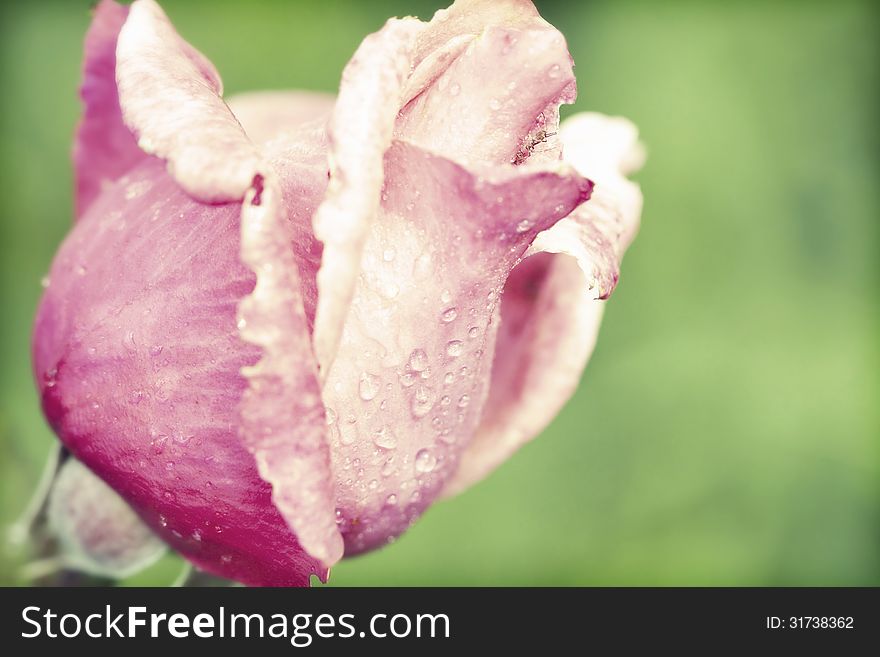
554,71
348,431
418,360
446,436
445,296
388,255
330,416
448,378
449,315
421,403
384,438
473,332
391,500
464,401
454,89
368,387
425,461
454,348
523,226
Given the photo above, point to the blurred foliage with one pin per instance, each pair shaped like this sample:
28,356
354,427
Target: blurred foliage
726,431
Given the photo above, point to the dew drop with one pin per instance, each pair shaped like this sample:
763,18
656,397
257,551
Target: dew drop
445,400
554,71
388,255
447,437
421,403
384,438
463,401
418,360
330,416
473,332
391,500
454,89
407,379
449,315
368,387
348,431
425,461
448,378
454,348
445,296
523,226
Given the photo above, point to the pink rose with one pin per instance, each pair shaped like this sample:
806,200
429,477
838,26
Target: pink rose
283,326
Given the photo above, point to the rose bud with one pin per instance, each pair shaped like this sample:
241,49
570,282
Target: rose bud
284,325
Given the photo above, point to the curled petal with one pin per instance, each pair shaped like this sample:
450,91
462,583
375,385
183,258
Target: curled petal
551,309
406,391
140,374
471,117
104,148
98,532
282,413
170,98
360,132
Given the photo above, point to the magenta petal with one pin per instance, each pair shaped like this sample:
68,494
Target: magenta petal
550,312
104,148
170,98
138,358
407,388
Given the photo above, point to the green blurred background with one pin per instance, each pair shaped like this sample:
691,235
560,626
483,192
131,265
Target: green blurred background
727,429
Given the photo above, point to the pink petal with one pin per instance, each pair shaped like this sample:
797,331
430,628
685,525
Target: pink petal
104,148
98,532
282,413
473,117
270,115
470,18
138,358
360,132
407,388
550,314
170,98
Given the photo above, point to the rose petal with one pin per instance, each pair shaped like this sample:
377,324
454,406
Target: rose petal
406,389
170,99
471,117
360,132
138,355
282,413
549,313
268,115
104,148
98,532
470,18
